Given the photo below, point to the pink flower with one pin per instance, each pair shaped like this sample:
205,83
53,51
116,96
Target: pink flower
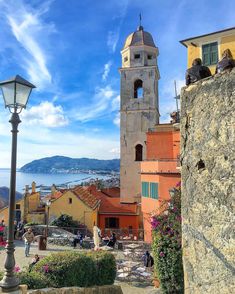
16,269
162,254
178,184
46,268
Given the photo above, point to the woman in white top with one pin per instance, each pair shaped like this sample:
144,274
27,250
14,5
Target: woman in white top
96,237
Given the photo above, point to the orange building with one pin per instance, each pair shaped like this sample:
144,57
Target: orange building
123,218
159,172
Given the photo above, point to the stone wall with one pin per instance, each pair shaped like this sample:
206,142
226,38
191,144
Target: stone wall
208,184
109,289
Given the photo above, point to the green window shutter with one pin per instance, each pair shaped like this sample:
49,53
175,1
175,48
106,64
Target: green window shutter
206,54
154,190
145,189
210,53
214,53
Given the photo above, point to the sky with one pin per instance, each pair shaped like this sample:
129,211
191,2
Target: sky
71,49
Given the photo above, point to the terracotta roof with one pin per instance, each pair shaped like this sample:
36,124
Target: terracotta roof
85,196
111,192
112,205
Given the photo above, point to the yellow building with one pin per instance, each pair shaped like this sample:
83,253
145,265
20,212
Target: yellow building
210,47
28,209
78,203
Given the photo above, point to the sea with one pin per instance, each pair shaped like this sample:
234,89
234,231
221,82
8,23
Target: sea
23,179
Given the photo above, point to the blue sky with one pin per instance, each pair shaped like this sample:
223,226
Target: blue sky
71,51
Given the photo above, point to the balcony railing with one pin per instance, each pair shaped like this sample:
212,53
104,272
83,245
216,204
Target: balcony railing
160,166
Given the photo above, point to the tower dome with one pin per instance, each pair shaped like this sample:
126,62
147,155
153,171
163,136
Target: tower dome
138,38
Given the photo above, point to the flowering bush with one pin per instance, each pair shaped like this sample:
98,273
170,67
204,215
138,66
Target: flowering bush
167,248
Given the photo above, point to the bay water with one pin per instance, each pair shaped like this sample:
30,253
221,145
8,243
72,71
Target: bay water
23,179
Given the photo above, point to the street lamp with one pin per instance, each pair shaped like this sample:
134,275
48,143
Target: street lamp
15,92
48,203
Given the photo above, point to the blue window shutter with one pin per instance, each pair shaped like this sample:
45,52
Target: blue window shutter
145,189
154,190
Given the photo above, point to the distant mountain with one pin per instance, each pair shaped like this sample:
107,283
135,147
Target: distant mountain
59,164
4,195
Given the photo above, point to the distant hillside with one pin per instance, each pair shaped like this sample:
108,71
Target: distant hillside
59,164
4,195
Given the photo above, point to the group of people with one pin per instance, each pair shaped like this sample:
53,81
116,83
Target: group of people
109,241
198,71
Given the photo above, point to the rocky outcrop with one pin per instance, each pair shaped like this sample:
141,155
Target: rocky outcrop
208,184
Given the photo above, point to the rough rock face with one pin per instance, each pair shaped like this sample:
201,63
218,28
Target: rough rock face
208,184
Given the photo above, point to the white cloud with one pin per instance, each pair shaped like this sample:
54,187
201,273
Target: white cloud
100,105
107,67
45,114
113,35
115,151
116,103
116,120
112,39
29,30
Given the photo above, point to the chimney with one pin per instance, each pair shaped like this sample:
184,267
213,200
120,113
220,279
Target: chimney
33,187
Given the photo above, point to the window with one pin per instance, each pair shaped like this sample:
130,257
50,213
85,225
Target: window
150,56
210,53
149,190
17,206
138,152
154,190
70,200
145,189
138,89
112,223
125,59
137,56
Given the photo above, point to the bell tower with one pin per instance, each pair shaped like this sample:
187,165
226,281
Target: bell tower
139,108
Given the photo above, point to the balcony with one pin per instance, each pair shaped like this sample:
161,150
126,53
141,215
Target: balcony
161,166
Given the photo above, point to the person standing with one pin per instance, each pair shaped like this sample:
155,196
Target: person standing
28,238
96,237
148,259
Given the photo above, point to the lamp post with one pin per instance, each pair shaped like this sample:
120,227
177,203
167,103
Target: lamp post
15,92
48,203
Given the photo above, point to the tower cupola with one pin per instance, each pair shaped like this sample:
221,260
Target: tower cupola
139,49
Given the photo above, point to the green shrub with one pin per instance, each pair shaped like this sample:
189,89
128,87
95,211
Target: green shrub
167,248
67,269
105,268
65,221
33,280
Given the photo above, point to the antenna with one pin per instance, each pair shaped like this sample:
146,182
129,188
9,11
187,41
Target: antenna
177,97
140,18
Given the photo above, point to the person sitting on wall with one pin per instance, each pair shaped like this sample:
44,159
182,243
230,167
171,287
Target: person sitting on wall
196,72
34,261
78,239
112,240
226,62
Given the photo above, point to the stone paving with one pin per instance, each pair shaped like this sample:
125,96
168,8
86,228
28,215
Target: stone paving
22,261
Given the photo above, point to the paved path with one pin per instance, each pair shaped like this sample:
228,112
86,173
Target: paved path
23,261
